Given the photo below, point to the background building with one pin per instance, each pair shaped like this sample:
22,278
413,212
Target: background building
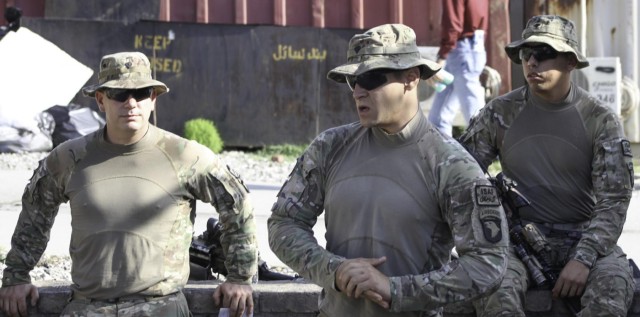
257,67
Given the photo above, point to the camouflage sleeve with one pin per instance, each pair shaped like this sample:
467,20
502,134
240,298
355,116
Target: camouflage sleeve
40,202
479,227
212,181
483,137
298,205
612,177
480,137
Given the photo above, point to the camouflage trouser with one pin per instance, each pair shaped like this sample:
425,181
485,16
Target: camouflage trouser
174,305
609,289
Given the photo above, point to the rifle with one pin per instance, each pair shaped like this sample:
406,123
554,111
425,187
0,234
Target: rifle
206,251
528,242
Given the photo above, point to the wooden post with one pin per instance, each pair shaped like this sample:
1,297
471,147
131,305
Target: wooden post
317,7
241,12
396,11
357,14
280,12
202,11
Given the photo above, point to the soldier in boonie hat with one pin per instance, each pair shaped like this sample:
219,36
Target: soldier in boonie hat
568,153
380,168
125,70
137,181
555,31
389,46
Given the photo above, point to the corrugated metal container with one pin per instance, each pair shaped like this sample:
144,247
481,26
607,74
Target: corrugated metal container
422,15
231,74
592,17
261,85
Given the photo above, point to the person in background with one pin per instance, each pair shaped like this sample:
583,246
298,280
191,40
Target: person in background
397,196
12,15
462,52
131,188
569,156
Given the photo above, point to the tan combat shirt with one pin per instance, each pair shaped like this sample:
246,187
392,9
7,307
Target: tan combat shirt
132,215
410,196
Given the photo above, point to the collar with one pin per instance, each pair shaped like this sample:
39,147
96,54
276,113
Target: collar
148,140
409,134
554,106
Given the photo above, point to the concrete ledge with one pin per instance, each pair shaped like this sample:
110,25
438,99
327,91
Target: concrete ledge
293,299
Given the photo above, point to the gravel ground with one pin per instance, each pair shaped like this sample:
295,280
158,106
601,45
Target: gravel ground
252,168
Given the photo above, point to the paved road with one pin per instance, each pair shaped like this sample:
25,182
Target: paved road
12,184
263,195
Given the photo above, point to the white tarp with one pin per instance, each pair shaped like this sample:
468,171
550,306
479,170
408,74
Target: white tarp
35,74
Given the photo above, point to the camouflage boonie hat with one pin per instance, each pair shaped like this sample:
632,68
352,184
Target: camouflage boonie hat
125,70
556,31
390,46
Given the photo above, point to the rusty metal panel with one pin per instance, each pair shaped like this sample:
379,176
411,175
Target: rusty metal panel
30,8
498,36
567,8
299,13
376,12
3,6
182,11
260,12
424,16
259,84
221,11
334,15
116,10
337,13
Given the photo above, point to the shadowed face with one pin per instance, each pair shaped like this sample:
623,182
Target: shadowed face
127,113
547,72
381,98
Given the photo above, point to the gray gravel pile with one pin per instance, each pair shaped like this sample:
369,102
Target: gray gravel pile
252,169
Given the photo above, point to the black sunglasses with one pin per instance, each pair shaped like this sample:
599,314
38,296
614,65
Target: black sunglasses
122,95
541,53
369,80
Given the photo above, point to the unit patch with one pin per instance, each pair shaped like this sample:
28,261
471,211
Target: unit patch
486,196
491,224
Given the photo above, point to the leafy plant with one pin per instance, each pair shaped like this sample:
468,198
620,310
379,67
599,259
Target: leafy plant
204,132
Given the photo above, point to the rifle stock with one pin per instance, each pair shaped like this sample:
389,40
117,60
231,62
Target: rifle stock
528,242
206,251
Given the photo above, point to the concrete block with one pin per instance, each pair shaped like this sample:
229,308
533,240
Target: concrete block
295,299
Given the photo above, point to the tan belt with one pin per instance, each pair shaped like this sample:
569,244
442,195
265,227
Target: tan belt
571,230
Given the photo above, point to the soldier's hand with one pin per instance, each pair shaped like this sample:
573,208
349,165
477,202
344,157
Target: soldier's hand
237,297
377,298
13,299
359,277
572,280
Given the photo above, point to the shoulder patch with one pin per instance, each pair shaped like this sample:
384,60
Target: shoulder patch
626,148
491,224
486,196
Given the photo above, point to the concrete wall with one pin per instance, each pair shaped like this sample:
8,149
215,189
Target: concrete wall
293,299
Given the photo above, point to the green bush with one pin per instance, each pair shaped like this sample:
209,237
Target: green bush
204,132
